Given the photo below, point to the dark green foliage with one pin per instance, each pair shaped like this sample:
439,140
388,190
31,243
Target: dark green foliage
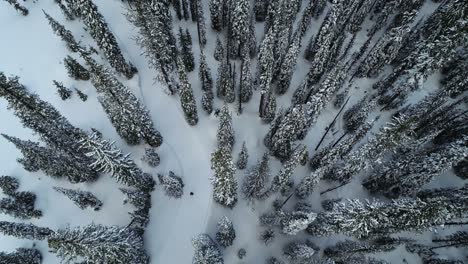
226,234
21,9
62,91
82,95
21,256
187,99
82,199
24,231
8,185
151,157
173,185
75,69
206,251
185,41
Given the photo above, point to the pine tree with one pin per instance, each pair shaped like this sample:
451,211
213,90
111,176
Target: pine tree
8,184
151,157
129,117
287,67
206,251
225,135
187,99
82,199
68,15
64,34
224,182
53,162
24,231
283,179
142,202
82,95
355,116
62,91
461,169
186,50
298,220
254,186
97,243
173,185
242,158
224,83
207,85
387,47
404,177
185,9
267,236
219,50
241,253
201,26
343,250
22,256
246,82
154,22
108,159
21,9
371,218
75,69
225,234
239,26
20,205
260,8
216,14
298,252
452,79
266,62
88,12
286,131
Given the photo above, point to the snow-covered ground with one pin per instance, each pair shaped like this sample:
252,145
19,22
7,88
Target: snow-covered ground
29,49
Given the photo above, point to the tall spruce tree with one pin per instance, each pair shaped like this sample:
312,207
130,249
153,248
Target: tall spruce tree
187,99
206,250
21,256
21,9
226,233
246,82
64,34
88,12
224,182
242,158
186,49
154,22
24,231
216,14
97,243
75,69
82,199
255,182
266,62
225,135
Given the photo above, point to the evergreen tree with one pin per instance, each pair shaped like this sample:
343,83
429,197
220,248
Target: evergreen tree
298,220
88,12
187,99
53,162
300,253
266,62
154,22
206,251
207,85
173,185
186,50
239,26
142,202
343,250
273,260
20,205
216,14
22,256
75,69
129,117
387,47
151,157
461,168
267,236
224,182
288,66
260,8
404,177
219,50
226,233
207,101
283,179
225,135
254,186
64,34
224,82
372,218
8,184
21,9
201,26
185,9
452,80
457,239
24,231
62,91
241,160
241,253
68,15
82,95
108,159
355,116
97,243
82,199
286,131
246,82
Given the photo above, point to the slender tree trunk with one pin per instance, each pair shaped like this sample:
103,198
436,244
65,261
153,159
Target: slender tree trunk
332,124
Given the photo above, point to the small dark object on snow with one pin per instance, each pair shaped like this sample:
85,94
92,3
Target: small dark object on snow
191,193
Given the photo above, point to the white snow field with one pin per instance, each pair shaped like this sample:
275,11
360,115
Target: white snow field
30,50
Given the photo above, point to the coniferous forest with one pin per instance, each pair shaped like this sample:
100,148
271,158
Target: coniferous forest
234,131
